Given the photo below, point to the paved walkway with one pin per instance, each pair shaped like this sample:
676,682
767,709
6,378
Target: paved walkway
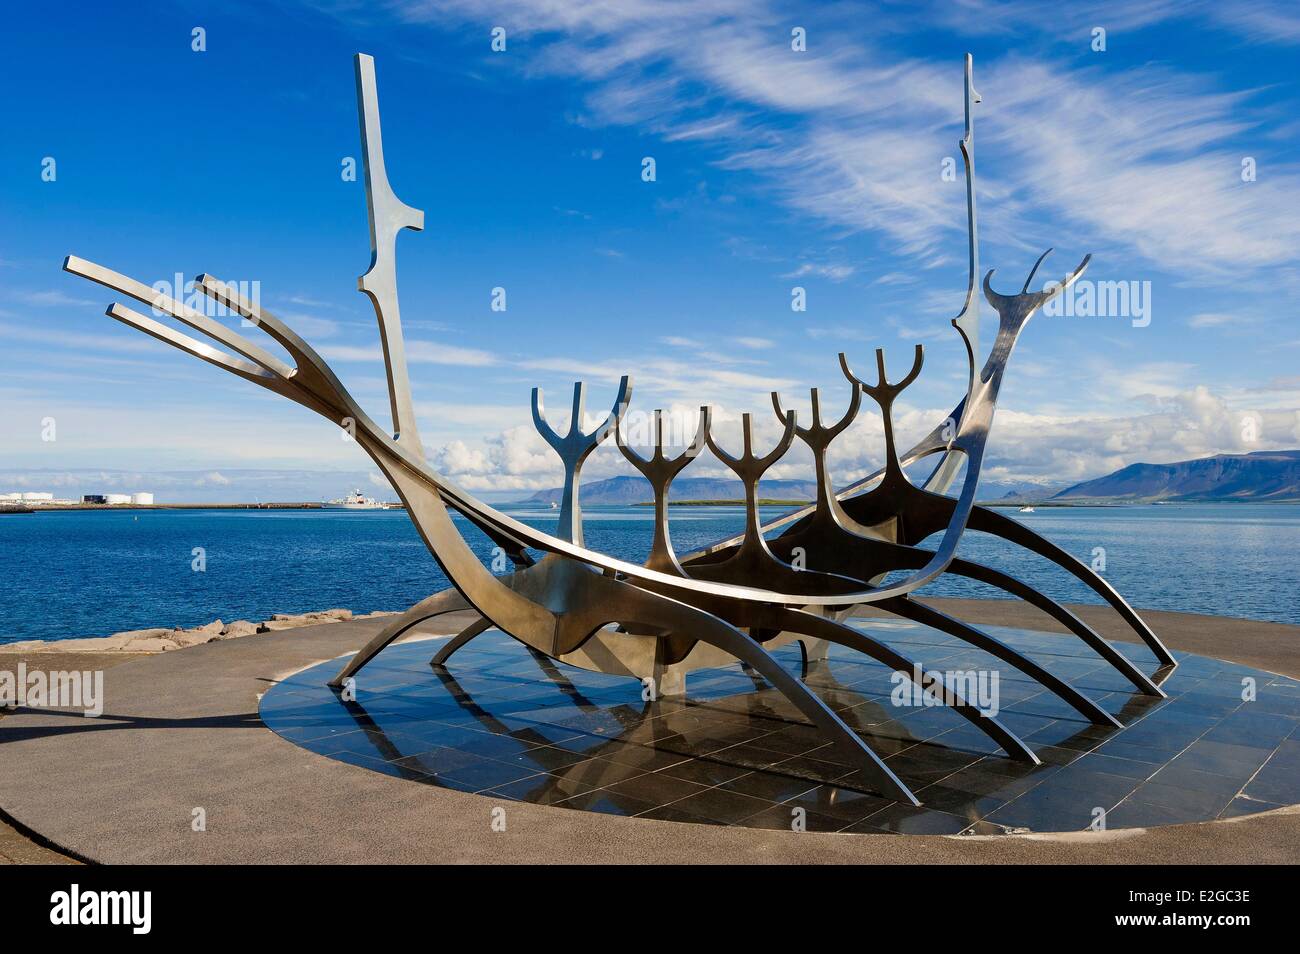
181,732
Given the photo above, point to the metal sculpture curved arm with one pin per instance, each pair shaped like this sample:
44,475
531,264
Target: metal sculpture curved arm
575,447
884,394
660,471
818,437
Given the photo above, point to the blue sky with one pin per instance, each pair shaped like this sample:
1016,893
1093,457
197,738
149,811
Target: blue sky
775,168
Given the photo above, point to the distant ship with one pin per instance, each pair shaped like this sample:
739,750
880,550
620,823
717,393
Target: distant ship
354,501
1026,509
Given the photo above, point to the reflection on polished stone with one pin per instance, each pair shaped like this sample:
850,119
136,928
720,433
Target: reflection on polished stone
514,725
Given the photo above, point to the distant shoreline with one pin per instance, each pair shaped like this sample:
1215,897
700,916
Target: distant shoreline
307,505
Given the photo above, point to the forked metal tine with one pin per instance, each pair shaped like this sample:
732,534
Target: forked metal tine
748,462
312,373
575,442
882,391
818,435
156,329
574,447
658,462
1028,300
182,313
542,424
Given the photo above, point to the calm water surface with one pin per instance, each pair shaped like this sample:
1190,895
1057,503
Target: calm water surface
91,573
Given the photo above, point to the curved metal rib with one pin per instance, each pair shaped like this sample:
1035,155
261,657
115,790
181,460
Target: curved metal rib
798,621
447,601
910,609
1095,641
990,521
445,651
670,616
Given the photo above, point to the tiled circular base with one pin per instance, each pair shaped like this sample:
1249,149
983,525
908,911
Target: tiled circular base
512,725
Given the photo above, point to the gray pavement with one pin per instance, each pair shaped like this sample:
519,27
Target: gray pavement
181,732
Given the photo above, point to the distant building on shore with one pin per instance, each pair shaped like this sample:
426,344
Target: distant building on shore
37,498
30,498
138,499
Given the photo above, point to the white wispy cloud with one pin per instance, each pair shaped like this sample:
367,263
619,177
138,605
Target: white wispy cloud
1142,160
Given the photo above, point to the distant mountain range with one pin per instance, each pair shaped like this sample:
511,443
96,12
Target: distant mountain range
1263,475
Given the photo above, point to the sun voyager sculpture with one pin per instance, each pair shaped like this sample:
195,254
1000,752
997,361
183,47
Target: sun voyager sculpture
735,600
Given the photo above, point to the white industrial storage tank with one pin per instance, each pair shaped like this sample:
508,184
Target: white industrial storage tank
146,499
117,498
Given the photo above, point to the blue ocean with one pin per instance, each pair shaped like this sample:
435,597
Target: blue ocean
91,573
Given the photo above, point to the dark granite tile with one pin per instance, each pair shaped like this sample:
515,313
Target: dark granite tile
1275,783
598,773
1222,758
1246,806
655,788
1287,754
1135,814
750,756
770,785
1205,805
1112,765
792,818
486,774
723,806
1149,750
643,757
1261,729
795,740
607,803
1070,735
989,828
441,760
708,771
541,789
942,797
669,813
1068,801
1055,755
930,763
836,802
907,820
806,767
1184,776
546,758
379,765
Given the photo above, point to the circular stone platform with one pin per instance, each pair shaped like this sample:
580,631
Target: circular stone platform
512,725
182,731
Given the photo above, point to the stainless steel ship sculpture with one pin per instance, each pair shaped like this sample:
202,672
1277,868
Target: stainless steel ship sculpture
735,600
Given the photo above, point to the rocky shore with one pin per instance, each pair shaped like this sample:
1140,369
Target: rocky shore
162,639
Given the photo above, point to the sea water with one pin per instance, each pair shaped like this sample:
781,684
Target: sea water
91,573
